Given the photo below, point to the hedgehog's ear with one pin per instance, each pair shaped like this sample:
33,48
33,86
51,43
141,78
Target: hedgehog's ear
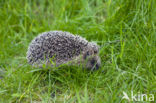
95,47
96,51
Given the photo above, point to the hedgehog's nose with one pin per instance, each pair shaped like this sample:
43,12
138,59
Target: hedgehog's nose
97,67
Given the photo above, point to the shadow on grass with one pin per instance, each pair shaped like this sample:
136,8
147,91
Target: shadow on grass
63,78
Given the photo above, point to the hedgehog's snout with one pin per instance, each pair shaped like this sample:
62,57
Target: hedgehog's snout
93,61
97,67
92,58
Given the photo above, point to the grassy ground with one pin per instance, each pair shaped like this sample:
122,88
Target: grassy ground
125,30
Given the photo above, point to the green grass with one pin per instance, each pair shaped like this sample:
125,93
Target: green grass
125,30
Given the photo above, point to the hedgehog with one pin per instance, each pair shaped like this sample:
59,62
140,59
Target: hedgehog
55,48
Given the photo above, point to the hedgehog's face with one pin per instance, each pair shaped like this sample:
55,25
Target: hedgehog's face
92,59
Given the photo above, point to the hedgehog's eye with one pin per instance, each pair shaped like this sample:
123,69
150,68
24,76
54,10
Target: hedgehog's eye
86,54
92,62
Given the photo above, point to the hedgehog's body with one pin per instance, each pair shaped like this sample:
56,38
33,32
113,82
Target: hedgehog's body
60,47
